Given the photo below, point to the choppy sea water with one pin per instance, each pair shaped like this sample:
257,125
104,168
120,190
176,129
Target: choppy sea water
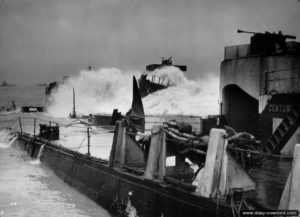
27,187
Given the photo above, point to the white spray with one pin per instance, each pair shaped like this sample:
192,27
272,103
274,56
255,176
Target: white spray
7,138
41,152
105,89
39,156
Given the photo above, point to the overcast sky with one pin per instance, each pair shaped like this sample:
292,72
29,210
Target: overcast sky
42,40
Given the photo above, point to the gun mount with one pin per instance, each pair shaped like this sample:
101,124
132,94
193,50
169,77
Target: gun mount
267,42
279,34
166,61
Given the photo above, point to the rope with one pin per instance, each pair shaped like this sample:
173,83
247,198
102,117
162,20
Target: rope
81,147
102,146
81,127
70,124
77,148
263,154
187,143
10,127
100,132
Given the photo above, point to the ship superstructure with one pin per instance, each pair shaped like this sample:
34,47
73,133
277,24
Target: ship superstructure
260,89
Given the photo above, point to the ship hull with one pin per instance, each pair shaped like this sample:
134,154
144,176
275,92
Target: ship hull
147,87
119,191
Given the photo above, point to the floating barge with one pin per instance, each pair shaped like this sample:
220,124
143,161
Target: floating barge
259,90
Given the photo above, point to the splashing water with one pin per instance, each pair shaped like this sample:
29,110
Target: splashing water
30,189
96,92
6,139
187,97
38,158
170,73
103,90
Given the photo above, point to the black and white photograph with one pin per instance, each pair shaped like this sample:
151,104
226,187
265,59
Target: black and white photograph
149,108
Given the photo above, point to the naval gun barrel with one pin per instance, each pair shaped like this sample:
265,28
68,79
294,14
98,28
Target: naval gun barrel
242,31
277,34
289,36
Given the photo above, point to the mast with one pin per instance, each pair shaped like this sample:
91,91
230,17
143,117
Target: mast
73,115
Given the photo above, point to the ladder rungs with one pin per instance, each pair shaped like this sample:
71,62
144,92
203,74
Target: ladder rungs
273,140
285,125
280,132
285,128
271,144
277,138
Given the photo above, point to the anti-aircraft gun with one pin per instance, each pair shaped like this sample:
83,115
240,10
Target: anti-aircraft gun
166,61
267,42
278,34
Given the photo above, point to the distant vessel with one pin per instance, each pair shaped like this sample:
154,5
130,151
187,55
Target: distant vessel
149,83
8,108
4,84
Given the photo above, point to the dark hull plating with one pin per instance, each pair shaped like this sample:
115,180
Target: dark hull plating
110,187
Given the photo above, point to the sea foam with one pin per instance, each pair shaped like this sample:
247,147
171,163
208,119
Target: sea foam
103,90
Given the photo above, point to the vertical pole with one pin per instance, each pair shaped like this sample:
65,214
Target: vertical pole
34,127
74,111
50,130
220,118
20,125
88,137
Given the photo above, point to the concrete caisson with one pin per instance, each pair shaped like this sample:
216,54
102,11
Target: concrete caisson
260,85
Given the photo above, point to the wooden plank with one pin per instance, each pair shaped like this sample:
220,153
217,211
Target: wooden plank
154,152
120,147
114,143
